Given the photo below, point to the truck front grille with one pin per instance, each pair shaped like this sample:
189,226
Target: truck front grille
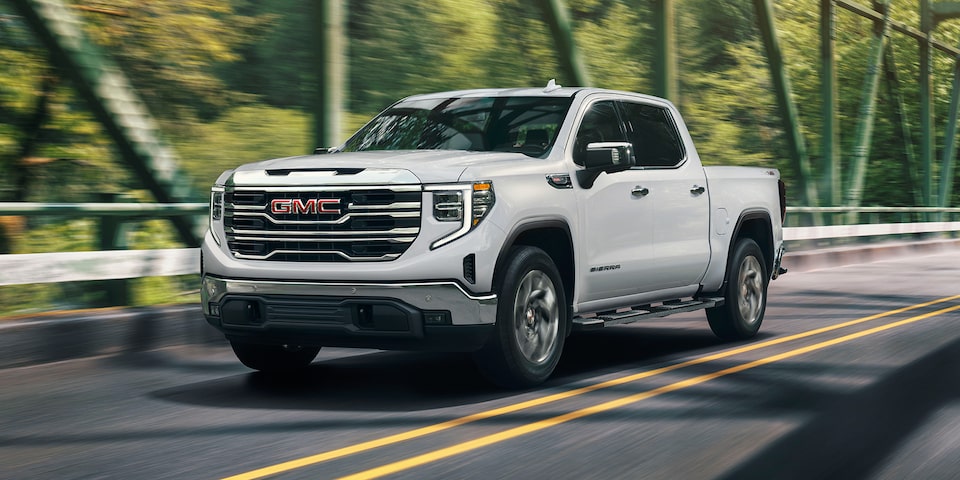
325,224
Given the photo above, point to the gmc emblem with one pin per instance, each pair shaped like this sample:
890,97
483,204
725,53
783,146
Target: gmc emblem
285,206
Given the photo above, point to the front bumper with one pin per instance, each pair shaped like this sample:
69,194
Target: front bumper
408,316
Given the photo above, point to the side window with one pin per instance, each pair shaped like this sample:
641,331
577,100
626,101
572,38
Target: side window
655,140
600,124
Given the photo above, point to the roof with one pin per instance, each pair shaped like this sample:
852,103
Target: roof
550,90
501,92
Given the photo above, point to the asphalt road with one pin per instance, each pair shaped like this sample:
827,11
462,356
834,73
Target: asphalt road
855,375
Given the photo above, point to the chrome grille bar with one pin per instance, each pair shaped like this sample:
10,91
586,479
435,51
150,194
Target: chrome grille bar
362,223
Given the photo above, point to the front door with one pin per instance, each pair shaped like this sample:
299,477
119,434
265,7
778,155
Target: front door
618,218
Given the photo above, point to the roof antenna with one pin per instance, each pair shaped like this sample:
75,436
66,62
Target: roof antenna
552,86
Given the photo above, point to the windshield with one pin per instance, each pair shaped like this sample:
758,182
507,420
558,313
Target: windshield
503,124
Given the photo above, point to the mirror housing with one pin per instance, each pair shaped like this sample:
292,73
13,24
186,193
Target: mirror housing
605,157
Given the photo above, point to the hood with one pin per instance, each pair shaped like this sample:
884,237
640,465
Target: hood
370,168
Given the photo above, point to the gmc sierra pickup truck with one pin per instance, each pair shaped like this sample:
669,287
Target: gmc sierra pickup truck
493,221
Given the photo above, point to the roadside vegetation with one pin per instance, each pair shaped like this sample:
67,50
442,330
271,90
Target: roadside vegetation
228,83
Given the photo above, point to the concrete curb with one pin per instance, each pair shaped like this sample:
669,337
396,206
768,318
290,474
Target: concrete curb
804,261
70,335
66,336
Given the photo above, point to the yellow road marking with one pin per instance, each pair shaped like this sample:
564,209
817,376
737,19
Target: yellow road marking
439,427
620,402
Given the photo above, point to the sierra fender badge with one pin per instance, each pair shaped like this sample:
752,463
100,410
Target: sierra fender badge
604,268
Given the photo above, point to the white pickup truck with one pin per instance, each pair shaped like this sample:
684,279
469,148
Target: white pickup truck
494,221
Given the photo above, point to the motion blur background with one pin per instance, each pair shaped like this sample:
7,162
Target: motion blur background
235,81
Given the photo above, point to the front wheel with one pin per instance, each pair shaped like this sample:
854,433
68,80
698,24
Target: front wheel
274,358
531,322
740,316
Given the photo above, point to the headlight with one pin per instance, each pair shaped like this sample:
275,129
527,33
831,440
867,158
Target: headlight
483,199
216,210
452,202
448,206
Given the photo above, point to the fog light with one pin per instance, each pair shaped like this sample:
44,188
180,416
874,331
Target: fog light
213,287
436,318
214,309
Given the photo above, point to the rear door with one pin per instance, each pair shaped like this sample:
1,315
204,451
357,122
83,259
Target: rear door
677,192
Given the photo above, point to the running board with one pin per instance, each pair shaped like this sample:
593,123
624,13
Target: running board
620,317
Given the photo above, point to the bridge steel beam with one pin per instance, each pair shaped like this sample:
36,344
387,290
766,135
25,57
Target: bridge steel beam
830,133
665,58
330,64
555,13
788,110
868,102
900,118
898,26
930,14
944,11
114,103
950,141
926,103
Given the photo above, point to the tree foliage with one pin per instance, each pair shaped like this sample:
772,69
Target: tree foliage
230,80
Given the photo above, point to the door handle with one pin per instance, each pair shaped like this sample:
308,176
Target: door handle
639,191
697,189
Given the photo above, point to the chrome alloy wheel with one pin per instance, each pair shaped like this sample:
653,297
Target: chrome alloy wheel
536,317
750,290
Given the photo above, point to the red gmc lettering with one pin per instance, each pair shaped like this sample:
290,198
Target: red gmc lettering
285,206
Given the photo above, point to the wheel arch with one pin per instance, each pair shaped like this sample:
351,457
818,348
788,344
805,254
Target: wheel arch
554,237
756,225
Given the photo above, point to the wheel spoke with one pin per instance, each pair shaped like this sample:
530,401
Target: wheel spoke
750,287
536,316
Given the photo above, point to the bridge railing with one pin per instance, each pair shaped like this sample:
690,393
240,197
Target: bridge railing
805,216
874,223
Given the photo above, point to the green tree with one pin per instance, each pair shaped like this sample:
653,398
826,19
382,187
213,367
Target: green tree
169,50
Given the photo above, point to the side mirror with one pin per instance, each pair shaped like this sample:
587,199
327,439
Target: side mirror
608,157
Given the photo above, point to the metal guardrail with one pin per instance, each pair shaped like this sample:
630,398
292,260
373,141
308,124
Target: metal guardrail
32,268
103,209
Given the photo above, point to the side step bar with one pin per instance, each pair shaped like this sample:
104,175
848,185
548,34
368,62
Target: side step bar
620,317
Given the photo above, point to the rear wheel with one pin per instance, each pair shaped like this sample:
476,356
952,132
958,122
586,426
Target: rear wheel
274,358
741,314
531,322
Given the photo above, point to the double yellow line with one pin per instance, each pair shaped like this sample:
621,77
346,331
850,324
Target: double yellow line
613,404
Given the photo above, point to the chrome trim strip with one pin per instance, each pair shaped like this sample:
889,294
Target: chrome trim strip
325,188
389,256
243,238
392,206
342,219
354,207
265,287
339,233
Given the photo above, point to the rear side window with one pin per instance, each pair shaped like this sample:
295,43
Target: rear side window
656,142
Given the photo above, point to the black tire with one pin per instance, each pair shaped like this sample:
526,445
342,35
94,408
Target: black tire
740,316
532,322
274,358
